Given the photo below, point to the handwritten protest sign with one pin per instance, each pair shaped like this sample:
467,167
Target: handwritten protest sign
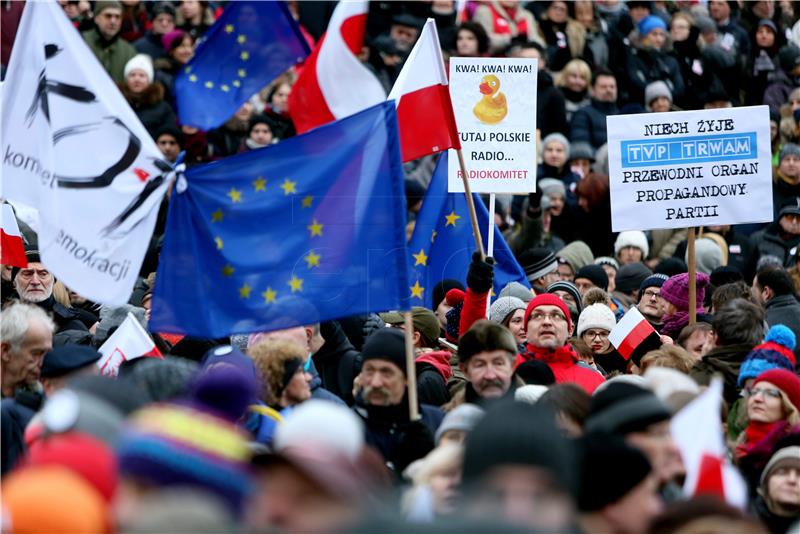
494,101
690,168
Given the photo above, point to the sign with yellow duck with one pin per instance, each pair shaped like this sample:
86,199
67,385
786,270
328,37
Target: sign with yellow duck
494,101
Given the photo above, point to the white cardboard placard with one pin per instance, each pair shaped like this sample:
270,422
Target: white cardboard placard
690,168
494,101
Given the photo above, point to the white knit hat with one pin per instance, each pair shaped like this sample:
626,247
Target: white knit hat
141,62
503,306
596,316
632,238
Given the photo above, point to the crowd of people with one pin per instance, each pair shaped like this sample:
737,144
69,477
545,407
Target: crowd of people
529,417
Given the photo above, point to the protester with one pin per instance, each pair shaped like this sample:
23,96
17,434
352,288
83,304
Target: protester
651,305
104,40
145,96
774,289
777,504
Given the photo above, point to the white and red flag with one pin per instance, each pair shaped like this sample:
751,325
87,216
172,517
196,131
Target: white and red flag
128,342
333,82
697,430
12,246
424,111
633,336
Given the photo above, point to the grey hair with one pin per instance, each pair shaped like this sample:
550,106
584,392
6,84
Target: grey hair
17,318
739,321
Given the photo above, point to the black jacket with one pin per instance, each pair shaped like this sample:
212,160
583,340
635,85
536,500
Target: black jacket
551,111
337,362
589,123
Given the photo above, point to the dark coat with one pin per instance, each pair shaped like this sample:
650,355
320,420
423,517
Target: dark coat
151,108
647,65
726,361
337,361
589,123
151,45
551,111
433,373
782,191
785,310
769,241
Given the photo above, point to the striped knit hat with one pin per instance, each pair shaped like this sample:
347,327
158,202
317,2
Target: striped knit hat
774,353
191,444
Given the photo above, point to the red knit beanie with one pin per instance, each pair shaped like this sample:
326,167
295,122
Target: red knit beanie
547,299
786,381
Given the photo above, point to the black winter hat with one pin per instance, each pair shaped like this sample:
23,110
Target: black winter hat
594,273
630,276
441,289
654,280
725,274
512,433
386,344
65,359
671,266
610,469
537,262
536,372
622,408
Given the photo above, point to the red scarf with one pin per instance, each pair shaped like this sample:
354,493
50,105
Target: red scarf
563,354
754,434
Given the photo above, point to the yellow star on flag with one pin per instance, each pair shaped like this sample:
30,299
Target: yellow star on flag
269,295
229,28
227,271
416,290
433,235
420,258
312,259
218,241
260,184
296,284
241,39
452,218
193,78
235,194
224,88
210,84
244,56
236,83
307,201
216,216
315,228
242,73
288,186
187,69
244,291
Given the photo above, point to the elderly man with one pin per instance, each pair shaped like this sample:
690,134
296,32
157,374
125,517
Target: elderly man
27,335
486,355
382,403
104,40
34,285
547,328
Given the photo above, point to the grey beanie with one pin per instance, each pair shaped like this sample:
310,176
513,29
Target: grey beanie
463,417
581,150
515,289
557,137
789,149
656,89
550,186
111,317
708,255
503,306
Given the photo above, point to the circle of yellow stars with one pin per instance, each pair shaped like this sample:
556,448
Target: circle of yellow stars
241,72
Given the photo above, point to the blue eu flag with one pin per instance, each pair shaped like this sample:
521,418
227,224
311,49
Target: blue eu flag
250,45
307,230
442,244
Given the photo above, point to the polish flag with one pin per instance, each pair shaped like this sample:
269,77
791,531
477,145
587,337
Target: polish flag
333,83
130,341
697,431
424,111
633,336
12,247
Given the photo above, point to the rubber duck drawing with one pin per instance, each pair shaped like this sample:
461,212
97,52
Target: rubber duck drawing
492,108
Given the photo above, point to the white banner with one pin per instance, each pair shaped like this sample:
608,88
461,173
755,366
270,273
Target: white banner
128,342
75,150
494,101
690,168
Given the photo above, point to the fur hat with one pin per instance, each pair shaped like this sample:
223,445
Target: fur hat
632,238
596,316
141,62
776,352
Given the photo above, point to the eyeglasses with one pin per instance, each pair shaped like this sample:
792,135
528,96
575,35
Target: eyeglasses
767,392
589,334
556,317
652,294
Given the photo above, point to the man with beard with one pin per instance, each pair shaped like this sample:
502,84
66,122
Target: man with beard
34,285
382,403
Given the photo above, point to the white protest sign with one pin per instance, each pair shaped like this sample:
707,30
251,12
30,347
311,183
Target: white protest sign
690,168
494,101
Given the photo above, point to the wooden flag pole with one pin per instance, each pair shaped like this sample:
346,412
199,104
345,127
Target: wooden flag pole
411,370
692,277
473,218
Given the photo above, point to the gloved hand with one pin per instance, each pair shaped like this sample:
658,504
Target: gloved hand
534,202
481,273
417,441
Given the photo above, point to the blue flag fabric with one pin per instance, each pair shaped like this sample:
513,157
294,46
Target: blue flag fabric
307,230
250,45
442,244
